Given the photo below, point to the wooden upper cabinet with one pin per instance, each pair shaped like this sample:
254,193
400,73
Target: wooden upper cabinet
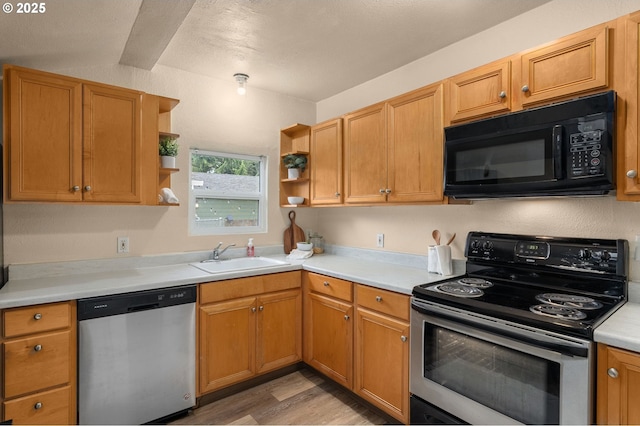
415,146
566,68
365,155
618,386
483,91
112,144
68,140
628,90
43,136
326,156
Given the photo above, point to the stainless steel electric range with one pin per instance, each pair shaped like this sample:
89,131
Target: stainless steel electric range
512,340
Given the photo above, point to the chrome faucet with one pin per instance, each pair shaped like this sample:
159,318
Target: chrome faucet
217,252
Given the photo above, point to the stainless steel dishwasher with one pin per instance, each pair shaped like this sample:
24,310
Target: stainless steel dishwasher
136,356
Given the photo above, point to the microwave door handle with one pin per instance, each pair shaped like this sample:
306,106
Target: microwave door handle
557,152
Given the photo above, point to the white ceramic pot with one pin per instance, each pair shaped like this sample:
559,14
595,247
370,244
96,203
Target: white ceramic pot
293,173
167,162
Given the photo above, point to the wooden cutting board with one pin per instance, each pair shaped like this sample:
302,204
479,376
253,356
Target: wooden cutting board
293,234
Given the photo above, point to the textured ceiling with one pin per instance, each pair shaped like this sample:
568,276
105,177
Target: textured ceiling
309,49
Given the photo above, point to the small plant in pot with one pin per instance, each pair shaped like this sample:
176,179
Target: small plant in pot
168,150
295,164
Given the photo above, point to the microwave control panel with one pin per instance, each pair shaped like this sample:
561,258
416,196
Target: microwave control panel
585,154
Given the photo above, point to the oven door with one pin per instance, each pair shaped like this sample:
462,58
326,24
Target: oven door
485,371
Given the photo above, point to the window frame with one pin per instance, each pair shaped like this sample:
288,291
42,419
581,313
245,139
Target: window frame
261,196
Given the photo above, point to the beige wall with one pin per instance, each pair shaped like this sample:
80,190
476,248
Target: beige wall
210,116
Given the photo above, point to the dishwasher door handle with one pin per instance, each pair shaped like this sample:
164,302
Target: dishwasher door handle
143,307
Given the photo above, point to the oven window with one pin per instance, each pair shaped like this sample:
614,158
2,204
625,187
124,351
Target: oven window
519,385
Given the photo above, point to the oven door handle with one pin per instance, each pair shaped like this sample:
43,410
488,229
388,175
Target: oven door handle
556,347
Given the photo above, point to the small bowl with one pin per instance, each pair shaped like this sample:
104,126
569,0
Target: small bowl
295,200
305,246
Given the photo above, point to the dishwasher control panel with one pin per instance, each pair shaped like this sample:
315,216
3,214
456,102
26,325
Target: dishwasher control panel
124,303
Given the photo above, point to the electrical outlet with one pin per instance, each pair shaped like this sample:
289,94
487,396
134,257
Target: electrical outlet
380,240
123,244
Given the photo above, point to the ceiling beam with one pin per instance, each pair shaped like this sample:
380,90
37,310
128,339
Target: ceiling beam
155,26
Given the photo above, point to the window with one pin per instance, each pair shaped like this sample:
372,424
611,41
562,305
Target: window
228,193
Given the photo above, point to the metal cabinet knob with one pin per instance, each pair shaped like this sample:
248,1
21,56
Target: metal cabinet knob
337,194
37,316
612,372
388,191
37,348
76,188
632,173
253,309
326,283
38,405
261,308
403,338
378,298
87,188
525,88
346,317
382,190
502,95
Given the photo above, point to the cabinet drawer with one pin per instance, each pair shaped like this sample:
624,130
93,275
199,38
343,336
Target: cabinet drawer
50,407
250,286
36,319
333,287
36,362
384,301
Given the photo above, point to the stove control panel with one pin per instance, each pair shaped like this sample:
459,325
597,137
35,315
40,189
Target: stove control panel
578,254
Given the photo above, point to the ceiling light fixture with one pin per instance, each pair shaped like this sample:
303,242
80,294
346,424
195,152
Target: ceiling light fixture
242,82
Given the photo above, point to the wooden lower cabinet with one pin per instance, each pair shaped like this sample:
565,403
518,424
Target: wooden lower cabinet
247,327
618,386
39,360
382,350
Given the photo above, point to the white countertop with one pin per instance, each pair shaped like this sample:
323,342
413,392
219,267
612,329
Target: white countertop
47,288
622,329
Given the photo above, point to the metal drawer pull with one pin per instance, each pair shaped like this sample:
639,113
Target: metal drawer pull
378,298
38,405
612,372
502,95
346,317
403,338
37,348
326,284
37,316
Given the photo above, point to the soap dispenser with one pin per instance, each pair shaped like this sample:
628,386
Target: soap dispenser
250,248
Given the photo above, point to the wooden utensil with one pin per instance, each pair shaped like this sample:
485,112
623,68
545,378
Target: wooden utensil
293,234
451,239
436,236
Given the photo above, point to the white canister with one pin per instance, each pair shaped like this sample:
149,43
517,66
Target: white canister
439,260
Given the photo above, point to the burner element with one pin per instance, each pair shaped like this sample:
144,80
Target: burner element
475,282
556,311
569,301
459,290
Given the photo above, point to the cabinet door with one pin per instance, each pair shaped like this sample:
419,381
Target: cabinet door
43,113
227,343
365,155
480,92
382,362
618,386
326,158
416,147
568,67
112,144
330,338
279,330
628,142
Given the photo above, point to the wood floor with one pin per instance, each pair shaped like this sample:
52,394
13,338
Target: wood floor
301,397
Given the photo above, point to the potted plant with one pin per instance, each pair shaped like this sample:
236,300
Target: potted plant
168,149
295,164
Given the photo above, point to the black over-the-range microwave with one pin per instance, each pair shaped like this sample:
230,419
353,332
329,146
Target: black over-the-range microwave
564,149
